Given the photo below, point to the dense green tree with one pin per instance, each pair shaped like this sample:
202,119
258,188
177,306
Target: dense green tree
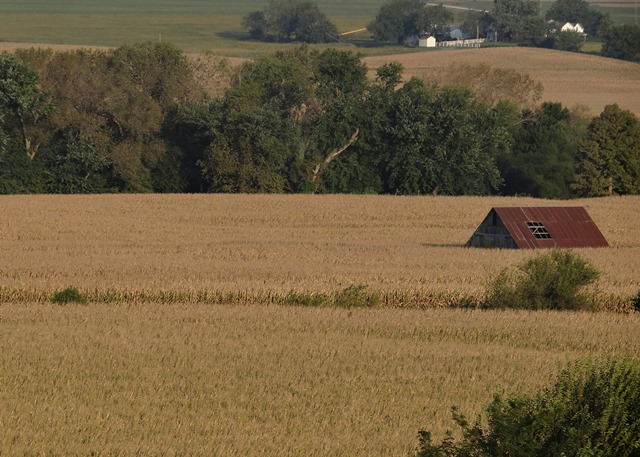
4,138
568,41
23,105
341,89
118,103
159,70
609,156
361,168
76,167
476,23
18,173
259,136
190,128
291,21
563,11
517,19
432,20
286,123
421,152
256,24
543,158
622,42
398,20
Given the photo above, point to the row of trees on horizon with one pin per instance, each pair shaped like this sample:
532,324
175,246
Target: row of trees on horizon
518,21
138,119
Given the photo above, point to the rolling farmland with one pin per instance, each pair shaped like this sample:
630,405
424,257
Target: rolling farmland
188,344
194,25
570,78
138,376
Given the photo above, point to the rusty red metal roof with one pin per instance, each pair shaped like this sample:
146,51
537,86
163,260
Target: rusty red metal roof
567,227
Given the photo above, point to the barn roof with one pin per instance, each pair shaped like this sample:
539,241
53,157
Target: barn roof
550,226
527,227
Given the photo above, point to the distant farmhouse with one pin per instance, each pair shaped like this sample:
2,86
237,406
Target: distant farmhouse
567,27
521,227
454,37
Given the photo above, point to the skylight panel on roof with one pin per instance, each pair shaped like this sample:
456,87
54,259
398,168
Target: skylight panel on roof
538,230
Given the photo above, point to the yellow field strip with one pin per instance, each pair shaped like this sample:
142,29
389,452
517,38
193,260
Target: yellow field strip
260,248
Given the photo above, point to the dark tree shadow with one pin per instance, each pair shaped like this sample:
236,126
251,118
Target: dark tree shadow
442,245
238,36
358,43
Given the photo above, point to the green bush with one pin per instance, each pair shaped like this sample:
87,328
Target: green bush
553,280
593,409
305,299
355,296
68,295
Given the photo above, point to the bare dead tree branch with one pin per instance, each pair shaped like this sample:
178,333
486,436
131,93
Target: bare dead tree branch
332,155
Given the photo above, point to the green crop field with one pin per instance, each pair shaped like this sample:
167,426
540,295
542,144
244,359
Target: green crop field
192,24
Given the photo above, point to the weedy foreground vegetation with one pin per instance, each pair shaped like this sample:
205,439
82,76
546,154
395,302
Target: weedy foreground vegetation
183,348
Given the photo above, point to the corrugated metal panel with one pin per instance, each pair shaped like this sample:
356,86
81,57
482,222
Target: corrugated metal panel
569,226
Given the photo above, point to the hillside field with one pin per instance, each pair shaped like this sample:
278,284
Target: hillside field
141,377
267,244
570,78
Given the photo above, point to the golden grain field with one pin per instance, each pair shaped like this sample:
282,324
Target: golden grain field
186,376
570,78
271,244
214,380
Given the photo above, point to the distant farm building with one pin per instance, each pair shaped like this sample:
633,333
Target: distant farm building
427,41
569,27
554,26
537,227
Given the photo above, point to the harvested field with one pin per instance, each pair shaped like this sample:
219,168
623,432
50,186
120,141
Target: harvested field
570,78
410,248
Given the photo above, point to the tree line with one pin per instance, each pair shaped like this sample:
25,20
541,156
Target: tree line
518,21
139,119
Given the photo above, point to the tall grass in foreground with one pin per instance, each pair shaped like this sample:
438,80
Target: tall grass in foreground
202,379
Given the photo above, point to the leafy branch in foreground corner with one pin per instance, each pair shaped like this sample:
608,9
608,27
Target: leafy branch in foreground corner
593,408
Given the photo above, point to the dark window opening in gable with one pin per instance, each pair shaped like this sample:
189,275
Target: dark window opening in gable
538,230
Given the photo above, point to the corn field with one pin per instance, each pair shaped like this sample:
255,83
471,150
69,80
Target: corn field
191,342
258,249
